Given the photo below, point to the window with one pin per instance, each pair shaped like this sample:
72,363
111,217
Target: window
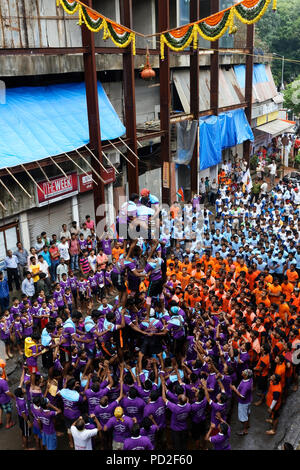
9,236
184,12
227,40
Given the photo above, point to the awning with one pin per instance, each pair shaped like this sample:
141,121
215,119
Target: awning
229,92
40,122
275,128
264,87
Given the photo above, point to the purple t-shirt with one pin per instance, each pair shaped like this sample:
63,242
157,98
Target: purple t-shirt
106,247
121,429
154,270
180,414
220,441
4,398
138,443
198,411
93,398
71,403
150,433
4,330
217,408
47,419
73,283
133,407
158,410
21,406
104,413
245,389
58,296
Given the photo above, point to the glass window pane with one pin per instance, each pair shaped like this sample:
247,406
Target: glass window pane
11,238
184,12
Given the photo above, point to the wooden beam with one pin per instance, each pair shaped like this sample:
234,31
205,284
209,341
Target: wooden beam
129,101
90,74
165,103
194,96
43,51
249,86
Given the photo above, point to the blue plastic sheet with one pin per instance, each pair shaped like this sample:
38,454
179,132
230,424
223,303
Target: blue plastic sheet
210,142
39,122
220,132
259,74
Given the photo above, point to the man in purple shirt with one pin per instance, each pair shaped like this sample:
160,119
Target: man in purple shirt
244,393
133,405
136,441
220,441
46,422
180,413
5,402
121,426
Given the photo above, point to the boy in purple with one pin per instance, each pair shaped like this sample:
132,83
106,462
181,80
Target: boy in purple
106,247
218,406
72,401
17,330
5,402
23,416
5,324
244,393
121,426
46,420
149,429
58,296
198,417
136,441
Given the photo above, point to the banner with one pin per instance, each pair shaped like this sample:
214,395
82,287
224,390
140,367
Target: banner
57,189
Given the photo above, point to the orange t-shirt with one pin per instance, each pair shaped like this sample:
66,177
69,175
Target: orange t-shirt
287,290
292,275
274,290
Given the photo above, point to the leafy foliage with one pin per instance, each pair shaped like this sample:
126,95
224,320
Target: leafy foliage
292,96
279,32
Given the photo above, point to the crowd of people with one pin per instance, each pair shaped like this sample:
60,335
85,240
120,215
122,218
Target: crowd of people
143,343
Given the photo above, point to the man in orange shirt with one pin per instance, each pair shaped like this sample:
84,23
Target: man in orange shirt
117,251
287,288
292,274
283,310
274,292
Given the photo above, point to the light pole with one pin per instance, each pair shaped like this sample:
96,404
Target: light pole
282,70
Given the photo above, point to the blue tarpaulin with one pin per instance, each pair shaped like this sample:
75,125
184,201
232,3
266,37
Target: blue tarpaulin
217,133
259,74
39,122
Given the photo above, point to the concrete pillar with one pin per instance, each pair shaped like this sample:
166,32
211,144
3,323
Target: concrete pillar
24,229
75,209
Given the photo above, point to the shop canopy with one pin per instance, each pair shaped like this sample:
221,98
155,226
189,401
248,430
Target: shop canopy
220,132
277,127
41,122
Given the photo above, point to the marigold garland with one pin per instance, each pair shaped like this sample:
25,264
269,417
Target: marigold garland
211,28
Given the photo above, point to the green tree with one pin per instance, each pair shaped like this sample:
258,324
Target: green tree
279,32
292,96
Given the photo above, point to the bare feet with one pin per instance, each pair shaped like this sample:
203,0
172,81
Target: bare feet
271,432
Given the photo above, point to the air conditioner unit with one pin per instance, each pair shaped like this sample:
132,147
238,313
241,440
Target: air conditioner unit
114,158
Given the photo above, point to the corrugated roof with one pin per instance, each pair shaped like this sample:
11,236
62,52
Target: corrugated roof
276,127
229,92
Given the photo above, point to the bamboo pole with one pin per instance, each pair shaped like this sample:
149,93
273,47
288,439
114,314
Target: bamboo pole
18,182
56,164
8,190
93,169
81,169
105,156
32,178
121,154
124,143
93,155
43,171
3,206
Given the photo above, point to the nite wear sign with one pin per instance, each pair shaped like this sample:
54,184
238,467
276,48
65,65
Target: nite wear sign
57,189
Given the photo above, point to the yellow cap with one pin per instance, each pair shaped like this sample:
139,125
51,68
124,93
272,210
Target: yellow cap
118,412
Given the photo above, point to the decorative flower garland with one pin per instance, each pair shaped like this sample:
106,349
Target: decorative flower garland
215,26
121,37
210,28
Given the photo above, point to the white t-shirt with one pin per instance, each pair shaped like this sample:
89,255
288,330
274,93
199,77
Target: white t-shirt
83,439
44,267
64,251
